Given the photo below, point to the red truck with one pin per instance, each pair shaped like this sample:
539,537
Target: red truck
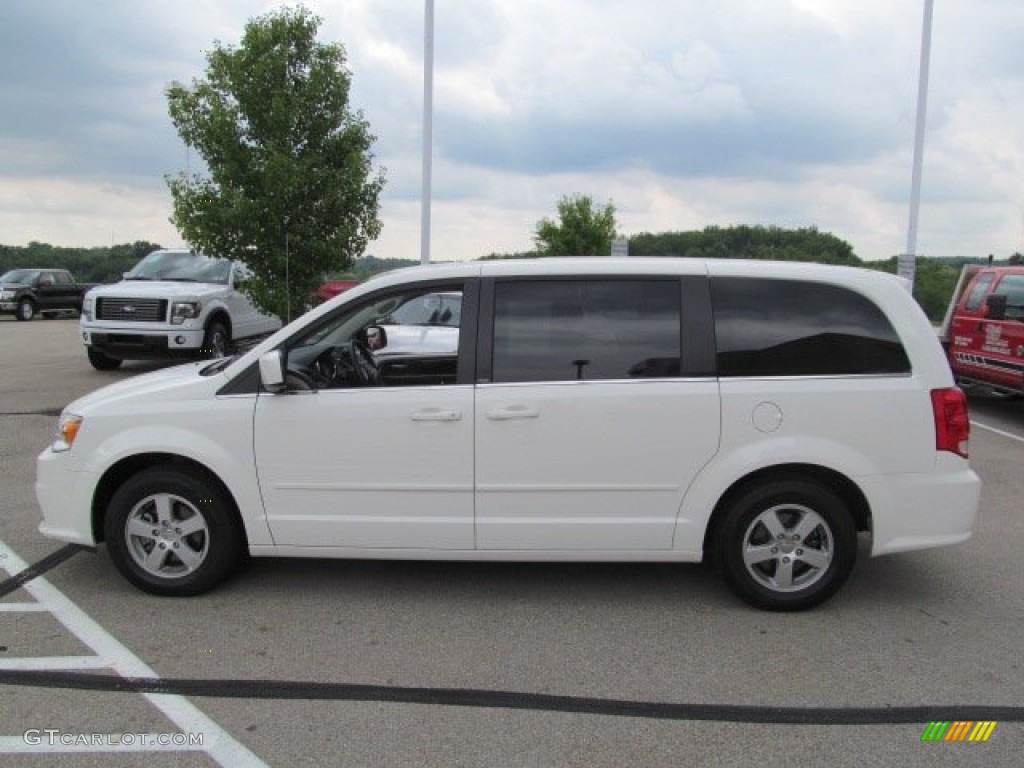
983,330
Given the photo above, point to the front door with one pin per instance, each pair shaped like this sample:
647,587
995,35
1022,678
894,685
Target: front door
385,463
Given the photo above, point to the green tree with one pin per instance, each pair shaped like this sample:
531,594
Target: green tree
581,230
291,189
747,242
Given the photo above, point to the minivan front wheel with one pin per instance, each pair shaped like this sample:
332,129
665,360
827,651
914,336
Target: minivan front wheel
787,544
172,533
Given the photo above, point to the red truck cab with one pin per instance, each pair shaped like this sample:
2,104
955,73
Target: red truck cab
984,329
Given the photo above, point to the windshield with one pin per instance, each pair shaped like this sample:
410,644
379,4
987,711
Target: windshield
181,266
23,276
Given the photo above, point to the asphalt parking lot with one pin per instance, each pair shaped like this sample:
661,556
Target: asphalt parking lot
306,663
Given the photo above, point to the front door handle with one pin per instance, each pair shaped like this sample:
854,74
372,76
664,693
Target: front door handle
513,412
437,414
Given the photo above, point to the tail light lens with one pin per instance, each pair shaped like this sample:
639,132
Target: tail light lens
952,424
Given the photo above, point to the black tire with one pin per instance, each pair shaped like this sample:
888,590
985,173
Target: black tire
26,310
216,341
800,541
102,362
172,532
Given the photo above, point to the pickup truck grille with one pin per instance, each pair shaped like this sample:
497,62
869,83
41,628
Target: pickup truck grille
139,310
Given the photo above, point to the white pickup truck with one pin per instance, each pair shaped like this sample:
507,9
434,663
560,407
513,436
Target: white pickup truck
173,303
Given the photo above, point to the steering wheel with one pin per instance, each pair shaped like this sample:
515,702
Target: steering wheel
297,380
363,364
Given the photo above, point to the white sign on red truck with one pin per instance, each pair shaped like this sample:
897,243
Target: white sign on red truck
983,330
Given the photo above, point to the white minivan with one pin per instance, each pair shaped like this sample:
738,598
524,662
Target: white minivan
760,415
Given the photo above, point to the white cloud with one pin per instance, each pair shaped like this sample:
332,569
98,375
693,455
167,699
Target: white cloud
686,114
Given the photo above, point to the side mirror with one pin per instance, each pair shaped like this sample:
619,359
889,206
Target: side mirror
272,371
376,337
996,307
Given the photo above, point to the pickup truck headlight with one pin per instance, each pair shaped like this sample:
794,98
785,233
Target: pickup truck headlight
184,310
87,308
6,294
67,430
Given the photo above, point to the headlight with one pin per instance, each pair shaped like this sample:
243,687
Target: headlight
87,308
67,431
184,310
6,294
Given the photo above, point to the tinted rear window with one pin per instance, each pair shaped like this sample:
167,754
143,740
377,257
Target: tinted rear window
797,328
565,330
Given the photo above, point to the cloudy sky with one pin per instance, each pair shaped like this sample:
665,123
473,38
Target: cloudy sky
685,114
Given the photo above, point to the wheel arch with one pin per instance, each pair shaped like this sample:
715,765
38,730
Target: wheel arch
847,490
116,475
220,315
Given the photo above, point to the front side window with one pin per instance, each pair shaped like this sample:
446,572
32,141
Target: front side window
796,328
404,338
585,330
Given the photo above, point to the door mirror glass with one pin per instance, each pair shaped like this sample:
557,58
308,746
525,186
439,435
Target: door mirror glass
376,337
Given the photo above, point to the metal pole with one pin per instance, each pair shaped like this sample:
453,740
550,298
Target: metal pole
922,113
428,129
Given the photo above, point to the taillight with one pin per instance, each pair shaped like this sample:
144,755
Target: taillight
952,424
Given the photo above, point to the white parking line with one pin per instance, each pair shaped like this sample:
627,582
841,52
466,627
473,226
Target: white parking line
56,662
217,742
1004,433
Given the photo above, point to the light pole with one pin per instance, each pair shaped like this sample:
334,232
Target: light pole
428,129
907,261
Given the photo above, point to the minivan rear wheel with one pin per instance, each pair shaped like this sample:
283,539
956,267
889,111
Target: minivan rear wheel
787,545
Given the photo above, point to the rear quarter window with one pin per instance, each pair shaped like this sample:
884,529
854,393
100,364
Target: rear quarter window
799,328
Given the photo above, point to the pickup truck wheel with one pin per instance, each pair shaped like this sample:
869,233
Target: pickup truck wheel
100,361
216,340
26,309
172,533
787,545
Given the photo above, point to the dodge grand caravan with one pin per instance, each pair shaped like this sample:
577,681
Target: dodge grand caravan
758,415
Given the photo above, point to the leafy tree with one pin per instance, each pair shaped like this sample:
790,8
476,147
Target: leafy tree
291,190
581,230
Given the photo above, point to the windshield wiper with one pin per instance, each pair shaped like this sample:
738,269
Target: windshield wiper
137,277
218,366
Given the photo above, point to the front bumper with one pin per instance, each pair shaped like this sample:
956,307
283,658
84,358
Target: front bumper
145,344
65,498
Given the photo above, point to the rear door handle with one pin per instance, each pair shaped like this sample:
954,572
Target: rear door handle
437,414
513,412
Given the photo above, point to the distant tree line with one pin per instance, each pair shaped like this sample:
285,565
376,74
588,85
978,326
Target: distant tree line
103,264
934,281
747,242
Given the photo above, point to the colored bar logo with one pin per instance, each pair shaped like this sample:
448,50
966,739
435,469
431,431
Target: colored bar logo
958,730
